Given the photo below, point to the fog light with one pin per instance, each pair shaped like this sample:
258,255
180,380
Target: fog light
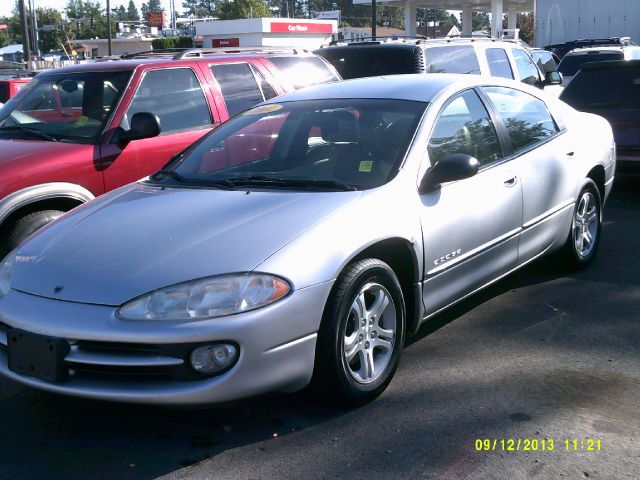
210,359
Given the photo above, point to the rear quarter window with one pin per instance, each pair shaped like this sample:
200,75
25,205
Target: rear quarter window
451,59
304,71
371,60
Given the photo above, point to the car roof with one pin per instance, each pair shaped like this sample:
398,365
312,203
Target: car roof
609,64
602,48
168,61
416,87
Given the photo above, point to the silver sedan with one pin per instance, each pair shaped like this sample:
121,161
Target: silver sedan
300,243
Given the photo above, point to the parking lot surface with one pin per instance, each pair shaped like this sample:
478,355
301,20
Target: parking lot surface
541,355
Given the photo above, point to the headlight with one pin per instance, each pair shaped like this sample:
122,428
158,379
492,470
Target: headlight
207,298
6,270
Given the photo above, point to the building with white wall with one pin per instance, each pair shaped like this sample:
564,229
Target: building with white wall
559,21
266,32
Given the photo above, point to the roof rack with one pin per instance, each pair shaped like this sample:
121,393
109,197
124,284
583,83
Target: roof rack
386,37
201,52
182,53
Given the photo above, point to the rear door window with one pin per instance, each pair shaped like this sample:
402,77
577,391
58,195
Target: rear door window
498,63
239,86
526,117
452,59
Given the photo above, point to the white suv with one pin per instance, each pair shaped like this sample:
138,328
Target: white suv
572,61
480,56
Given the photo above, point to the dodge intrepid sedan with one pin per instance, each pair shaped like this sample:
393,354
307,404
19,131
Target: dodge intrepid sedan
301,242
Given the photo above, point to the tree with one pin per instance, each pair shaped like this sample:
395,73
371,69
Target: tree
243,9
88,12
119,13
155,6
480,21
524,21
144,9
51,39
132,12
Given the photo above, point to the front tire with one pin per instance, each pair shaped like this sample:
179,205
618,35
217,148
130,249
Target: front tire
584,237
361,334
18,230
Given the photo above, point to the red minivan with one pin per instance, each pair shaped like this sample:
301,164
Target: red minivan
74,133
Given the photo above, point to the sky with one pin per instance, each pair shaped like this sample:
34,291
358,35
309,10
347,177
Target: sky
6,6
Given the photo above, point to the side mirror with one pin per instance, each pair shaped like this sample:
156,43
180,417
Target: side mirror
143,125
454,166
552,78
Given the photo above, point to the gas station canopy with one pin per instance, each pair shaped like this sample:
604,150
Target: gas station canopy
495,7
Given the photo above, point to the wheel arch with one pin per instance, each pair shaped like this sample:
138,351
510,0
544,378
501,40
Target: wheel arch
56,196
597,174
401,256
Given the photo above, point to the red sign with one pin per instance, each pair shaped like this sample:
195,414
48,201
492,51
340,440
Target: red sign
301,27
225,42
156,19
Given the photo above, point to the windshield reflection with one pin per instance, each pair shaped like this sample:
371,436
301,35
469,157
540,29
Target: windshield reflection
337,144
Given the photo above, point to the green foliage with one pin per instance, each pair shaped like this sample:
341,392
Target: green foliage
155,6
132,12
172,42
242,9
480,21
51,39
88,12
119,14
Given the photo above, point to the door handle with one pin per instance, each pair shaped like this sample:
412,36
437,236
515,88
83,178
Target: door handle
511,181
569,154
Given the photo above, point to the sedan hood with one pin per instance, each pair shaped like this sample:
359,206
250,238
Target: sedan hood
141,238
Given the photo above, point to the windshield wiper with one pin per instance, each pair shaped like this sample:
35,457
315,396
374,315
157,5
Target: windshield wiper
168,173
223,184
31,131
263,180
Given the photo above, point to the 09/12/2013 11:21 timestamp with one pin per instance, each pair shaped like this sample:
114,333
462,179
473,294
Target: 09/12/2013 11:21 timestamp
537,445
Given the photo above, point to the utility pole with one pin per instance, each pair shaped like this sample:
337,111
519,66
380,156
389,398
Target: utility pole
374,20
108,27
34,27
26,47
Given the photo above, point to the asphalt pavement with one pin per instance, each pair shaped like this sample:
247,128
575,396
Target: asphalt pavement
542,359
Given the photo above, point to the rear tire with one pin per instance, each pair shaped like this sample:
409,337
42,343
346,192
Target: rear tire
361,334
18,230
584,237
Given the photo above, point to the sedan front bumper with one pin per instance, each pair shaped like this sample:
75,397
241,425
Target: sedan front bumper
148,361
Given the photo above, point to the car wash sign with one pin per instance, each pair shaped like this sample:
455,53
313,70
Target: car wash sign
301,27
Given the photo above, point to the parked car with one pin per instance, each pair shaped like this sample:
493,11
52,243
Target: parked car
303,240
10,84
479,56
612,90
561,49
77,132
573,61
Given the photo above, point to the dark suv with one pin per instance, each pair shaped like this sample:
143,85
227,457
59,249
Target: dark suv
77,132
612,90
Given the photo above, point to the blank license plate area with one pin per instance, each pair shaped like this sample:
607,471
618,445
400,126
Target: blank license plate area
37,356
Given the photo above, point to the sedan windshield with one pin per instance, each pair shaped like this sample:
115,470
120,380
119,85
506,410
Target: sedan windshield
342,144
71,107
